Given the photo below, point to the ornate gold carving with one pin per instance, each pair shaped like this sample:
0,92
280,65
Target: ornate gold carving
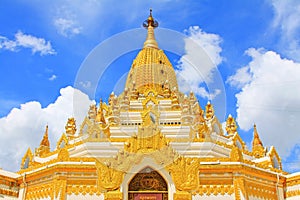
92,113
294,180
192,98
9,192
63,155
166,88
113,195
180,195
293,193
231,126
209,111
239,186
150,116
261,190
214,190
71,127
108,177
40,191
100,116
60,187
95,130
147,140
236,154
148,180
83,189
175,101
185,173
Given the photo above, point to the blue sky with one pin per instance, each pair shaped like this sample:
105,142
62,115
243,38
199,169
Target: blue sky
253,45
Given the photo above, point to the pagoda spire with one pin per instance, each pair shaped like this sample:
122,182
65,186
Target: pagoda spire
44,147
257,145
150,24
45,141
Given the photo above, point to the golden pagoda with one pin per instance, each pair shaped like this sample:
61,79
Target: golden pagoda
151,142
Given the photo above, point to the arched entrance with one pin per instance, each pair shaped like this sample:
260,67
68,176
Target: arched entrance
147,184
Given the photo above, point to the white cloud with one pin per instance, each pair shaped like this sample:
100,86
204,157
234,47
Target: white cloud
24,127
202,55
73,17
27,41
7,44
287,19
67,27
240,78
271,99
53,77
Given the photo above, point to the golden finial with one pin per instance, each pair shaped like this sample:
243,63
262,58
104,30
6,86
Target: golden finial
71,127
231,126
209,110
92,112
100,116
150,24
150,21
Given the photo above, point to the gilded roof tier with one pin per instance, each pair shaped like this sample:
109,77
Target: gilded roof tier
151,68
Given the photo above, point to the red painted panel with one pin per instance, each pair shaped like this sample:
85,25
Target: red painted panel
148,196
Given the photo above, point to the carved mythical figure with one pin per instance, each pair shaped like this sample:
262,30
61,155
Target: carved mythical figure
108,178
185,173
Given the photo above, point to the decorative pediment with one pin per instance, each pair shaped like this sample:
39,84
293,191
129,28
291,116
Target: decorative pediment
150,101
27,159
62,142
238,142
84,126
274,158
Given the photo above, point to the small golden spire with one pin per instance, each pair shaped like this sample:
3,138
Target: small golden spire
45,140
44,147
257,145
150,24
256,140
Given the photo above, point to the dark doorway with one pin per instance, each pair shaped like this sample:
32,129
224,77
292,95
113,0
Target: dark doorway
148,184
